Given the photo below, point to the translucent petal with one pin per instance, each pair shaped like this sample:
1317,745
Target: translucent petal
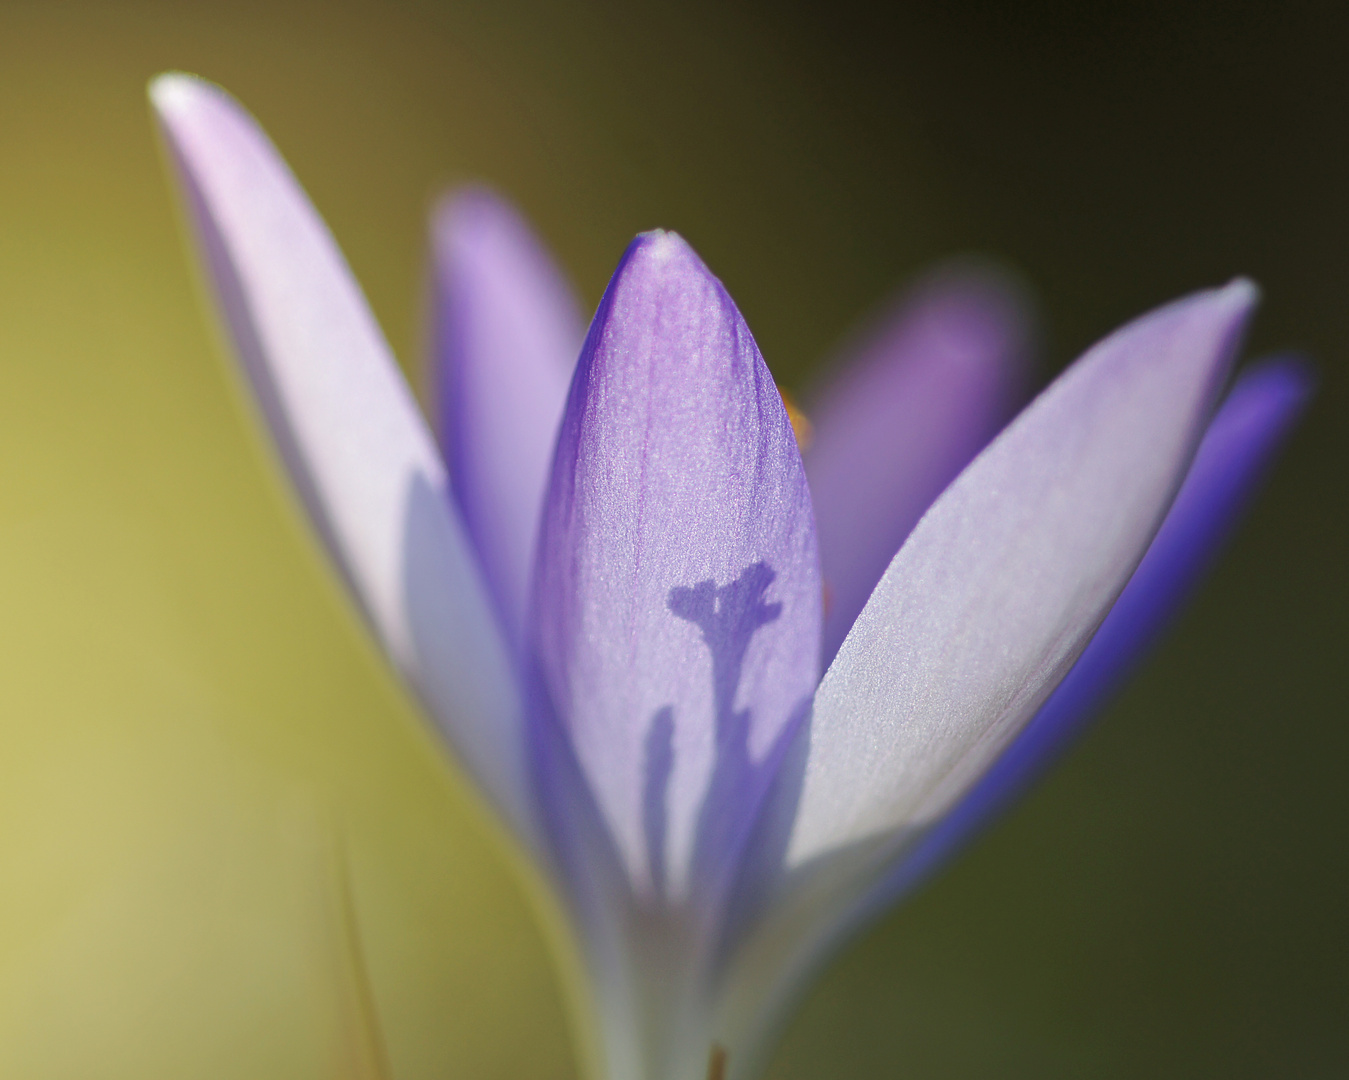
977,618
678,596
1238,447
1004,580
345,425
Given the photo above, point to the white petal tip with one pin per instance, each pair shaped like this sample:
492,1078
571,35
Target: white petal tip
174,92
1242,291
660,245
1227,310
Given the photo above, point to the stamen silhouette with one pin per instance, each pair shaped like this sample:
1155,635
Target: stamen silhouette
728,616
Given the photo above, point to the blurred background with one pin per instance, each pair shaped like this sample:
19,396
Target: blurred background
209,782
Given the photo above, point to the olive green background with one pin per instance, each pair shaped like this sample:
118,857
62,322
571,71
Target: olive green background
199,745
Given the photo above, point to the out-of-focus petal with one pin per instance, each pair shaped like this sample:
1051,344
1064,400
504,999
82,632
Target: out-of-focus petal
677,604
925,392
345,425
506,334
1239,445
1004,580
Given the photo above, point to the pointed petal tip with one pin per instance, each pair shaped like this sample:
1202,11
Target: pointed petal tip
1086,471
344,423
1233,308
677,516
175,92
1238,448
1242,291
658,248
657,267
1229,306
1234,305
659,261
658,237
1197,337
188,106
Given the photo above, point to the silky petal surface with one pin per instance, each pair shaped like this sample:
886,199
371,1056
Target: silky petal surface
925,391
1009,573
506,334
678,591
1236,450
346,426
1233,458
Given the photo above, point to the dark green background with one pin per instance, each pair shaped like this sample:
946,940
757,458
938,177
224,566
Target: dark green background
1170,903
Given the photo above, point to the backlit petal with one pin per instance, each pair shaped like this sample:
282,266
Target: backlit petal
975,620
345,424
678,597
1243,438
1238,447
1004,580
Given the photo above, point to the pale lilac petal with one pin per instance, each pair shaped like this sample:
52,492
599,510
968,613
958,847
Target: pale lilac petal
1004,580
345,425
924,393
678,592
506,334
1236,450
975,620
1238,447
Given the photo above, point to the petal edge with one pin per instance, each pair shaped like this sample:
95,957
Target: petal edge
345,424
1008,574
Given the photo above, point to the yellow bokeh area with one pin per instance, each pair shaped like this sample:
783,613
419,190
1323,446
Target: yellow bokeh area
200,749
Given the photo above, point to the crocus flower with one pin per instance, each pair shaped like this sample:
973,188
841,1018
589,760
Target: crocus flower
611,599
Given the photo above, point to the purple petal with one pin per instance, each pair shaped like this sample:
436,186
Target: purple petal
506,334
977,618
928,388
1232,460
1005,579
346,426
678,591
